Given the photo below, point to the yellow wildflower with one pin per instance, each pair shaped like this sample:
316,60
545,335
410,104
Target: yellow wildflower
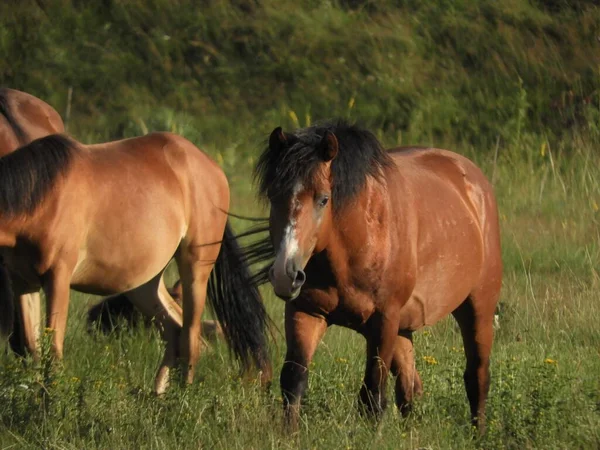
351,103
430,360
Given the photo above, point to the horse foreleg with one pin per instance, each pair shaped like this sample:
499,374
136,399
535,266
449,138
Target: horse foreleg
303,332
194,279
408,382
31,316
381,339
56,287
26,325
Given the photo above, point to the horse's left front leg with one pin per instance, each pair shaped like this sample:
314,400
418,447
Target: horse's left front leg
56,287
381,340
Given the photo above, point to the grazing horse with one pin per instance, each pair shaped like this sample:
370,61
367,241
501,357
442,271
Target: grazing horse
108,218
24,118
383,243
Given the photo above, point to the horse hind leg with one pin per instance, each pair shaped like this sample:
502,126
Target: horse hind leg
408,381
476,321
154,301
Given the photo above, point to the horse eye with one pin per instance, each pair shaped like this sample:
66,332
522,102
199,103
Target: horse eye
323,201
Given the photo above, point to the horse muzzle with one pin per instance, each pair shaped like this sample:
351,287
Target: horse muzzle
287,279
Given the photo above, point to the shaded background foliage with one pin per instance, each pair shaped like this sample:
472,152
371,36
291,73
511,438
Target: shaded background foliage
458,71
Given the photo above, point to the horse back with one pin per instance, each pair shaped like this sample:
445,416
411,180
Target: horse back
158,165
455,230
431,169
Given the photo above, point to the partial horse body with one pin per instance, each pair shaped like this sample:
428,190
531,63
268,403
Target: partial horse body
106,315
24,118
384,243
108,218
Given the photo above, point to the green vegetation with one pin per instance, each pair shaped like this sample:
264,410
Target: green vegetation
515,85
462,70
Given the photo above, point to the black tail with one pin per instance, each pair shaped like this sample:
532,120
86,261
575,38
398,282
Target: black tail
5,110
237,304
260,253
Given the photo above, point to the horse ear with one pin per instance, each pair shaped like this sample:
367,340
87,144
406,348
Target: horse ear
277,139
329,146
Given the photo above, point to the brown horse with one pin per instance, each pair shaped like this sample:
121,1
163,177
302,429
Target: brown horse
383,243
24,118
108,218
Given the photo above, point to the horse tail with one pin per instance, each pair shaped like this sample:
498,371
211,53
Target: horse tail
259,253
6,111
235,300
7,303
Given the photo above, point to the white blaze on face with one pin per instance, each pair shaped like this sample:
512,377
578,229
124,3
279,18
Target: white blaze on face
288,247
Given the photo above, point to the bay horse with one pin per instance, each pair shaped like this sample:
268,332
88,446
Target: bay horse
108,218
384,243
24,118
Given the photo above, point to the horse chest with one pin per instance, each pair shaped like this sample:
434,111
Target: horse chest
353,311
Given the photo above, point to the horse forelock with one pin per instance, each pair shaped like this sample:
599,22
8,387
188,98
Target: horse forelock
360,155
28,173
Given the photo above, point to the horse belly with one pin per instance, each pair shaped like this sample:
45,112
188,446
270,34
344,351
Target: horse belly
448,269
116,261
93,277
441,286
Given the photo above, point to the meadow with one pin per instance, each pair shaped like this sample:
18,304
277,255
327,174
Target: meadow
514,85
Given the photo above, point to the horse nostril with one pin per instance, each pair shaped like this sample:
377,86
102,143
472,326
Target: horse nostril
300,279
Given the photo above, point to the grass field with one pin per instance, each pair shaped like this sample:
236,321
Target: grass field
545,390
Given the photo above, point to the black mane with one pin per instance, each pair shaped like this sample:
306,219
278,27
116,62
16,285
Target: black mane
5,110
27,174
360,155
